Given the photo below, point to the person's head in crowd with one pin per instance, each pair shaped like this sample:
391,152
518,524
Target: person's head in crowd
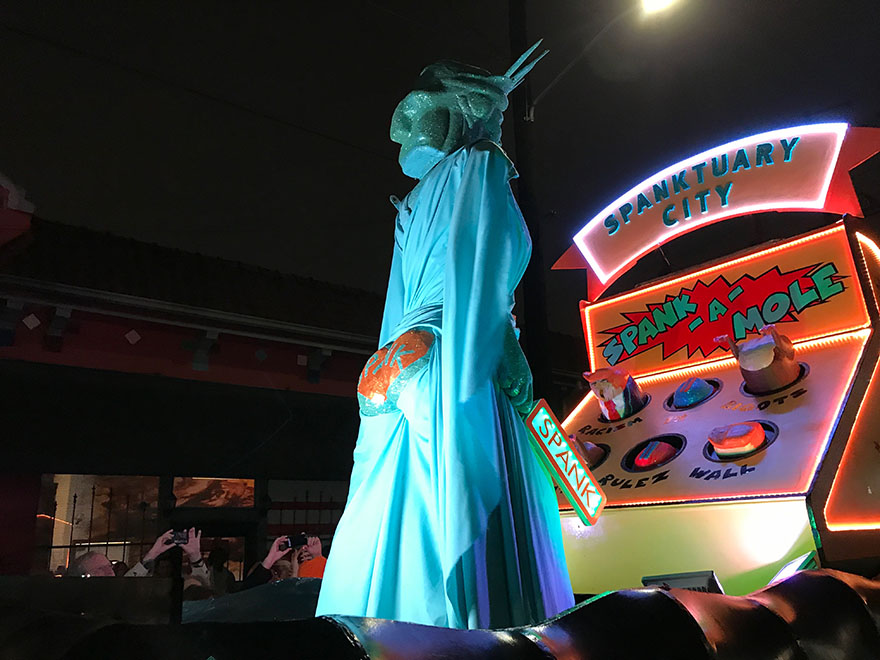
168,564
165,555
218,557
194,589
282,569
91,564
277,549
120,568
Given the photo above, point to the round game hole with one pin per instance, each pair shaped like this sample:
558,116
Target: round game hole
804,372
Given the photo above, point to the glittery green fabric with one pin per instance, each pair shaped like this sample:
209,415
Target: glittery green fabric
452,105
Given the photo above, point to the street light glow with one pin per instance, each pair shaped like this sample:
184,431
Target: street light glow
648,7
653,6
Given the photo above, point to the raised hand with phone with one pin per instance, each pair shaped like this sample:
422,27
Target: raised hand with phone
279,547
300,549
153,562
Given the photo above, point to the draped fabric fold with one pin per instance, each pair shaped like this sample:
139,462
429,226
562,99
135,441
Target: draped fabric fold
450,518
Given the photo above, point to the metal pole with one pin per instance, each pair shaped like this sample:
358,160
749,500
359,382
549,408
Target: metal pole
109,515
52,541
72,525
125,526
143,507
535,334
91,518
592,42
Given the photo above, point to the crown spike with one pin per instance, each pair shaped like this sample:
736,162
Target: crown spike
520,75
522,58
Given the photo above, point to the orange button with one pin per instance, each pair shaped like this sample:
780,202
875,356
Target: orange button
735,439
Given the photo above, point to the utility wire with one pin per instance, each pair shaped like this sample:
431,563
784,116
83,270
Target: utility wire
195,92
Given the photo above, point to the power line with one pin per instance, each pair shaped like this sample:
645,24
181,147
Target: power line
195,92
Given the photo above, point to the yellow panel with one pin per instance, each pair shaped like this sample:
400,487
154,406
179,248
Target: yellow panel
745,543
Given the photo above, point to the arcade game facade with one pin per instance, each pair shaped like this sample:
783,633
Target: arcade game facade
734,412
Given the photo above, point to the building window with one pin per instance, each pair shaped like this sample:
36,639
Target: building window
78,513
212,492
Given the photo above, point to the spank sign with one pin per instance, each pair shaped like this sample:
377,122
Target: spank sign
565,462
806,286
802,168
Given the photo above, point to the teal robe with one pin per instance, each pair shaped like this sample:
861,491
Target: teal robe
450,519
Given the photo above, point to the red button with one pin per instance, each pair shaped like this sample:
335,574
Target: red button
655,452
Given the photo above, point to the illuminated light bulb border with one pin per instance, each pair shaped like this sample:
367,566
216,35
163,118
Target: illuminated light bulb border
571,516
838,228
855,525
865,242
861,335
851,525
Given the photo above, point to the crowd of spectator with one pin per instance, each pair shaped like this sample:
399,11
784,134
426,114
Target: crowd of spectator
180,554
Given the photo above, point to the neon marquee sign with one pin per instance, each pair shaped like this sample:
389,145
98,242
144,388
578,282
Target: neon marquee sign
806,284
696,315
802,168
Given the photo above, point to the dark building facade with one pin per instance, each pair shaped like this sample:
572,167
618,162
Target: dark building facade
142,387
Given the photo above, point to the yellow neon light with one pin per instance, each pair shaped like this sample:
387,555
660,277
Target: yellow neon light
703,367
847,456
577,409
589,330
866,242
804,345
852,527
871,246
722,266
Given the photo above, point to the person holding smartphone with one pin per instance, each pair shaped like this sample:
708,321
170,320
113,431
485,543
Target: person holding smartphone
158,560
262,573
313,567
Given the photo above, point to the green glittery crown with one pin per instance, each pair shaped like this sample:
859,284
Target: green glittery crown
481,95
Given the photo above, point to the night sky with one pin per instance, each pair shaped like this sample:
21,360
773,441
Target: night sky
259,131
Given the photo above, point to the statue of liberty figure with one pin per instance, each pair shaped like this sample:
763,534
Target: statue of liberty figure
450,519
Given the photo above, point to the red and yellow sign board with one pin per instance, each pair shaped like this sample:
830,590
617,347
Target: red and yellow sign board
808,287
